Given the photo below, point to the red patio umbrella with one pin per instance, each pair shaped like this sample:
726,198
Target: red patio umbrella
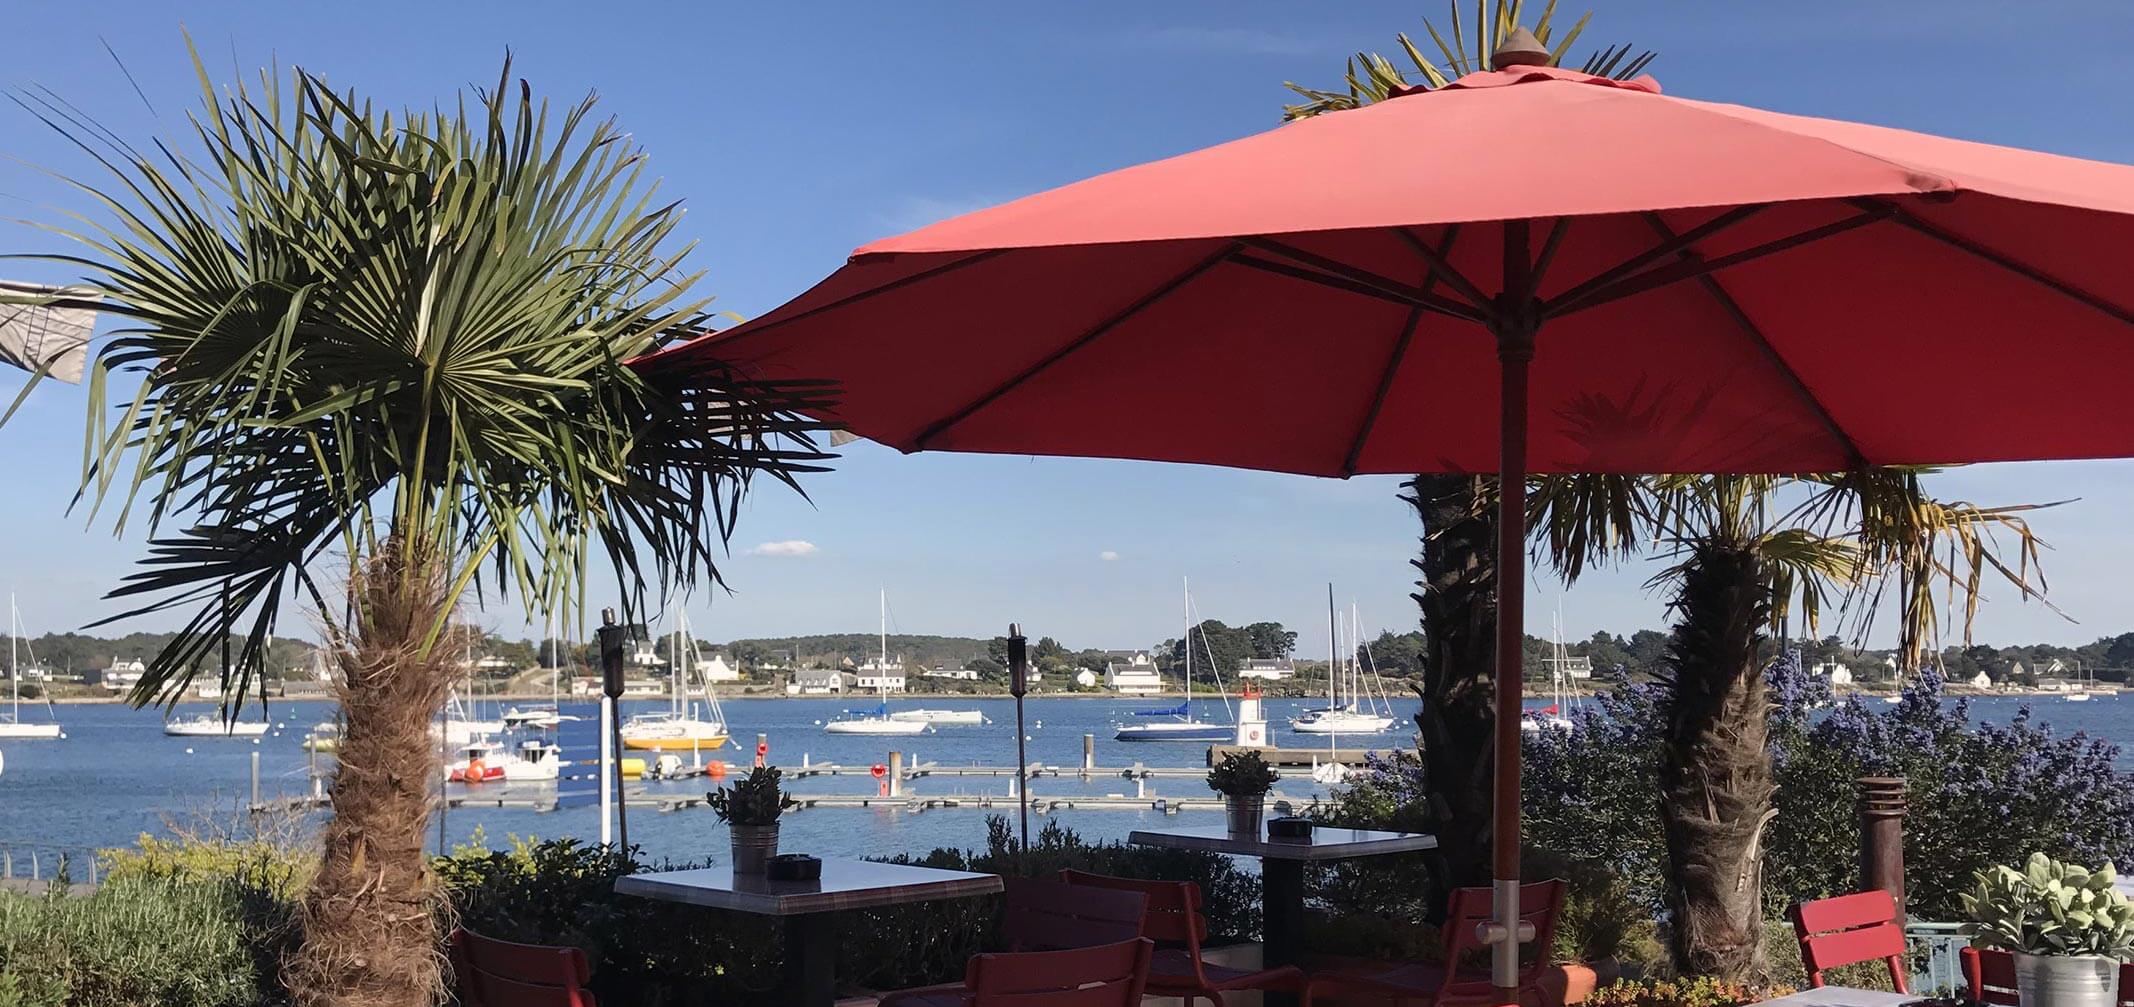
1666,285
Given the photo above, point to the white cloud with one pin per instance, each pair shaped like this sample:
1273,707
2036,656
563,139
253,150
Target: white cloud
1107,555
789,547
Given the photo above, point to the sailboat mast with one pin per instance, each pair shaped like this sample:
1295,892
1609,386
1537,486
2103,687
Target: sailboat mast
881,661
14,667
1185,614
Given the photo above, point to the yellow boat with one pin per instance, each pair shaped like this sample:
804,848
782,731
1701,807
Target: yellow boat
671,732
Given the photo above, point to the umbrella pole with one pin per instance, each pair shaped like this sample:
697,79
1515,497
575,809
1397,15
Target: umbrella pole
1514,323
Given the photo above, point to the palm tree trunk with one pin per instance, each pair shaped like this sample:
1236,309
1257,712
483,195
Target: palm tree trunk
370,918
1459,614
1715,770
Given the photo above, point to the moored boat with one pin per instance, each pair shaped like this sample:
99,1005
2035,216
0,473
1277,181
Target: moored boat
212,725
941,716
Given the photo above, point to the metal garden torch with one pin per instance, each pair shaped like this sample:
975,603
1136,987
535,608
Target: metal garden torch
612,638
1018,685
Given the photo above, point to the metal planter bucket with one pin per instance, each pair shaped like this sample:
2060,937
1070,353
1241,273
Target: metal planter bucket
2066,980
1244,814
753,846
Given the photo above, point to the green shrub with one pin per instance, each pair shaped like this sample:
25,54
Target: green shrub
1699,992
146,941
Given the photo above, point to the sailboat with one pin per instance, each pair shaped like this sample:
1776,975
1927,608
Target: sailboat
211,725
941,716
1180,725
1335,717
878,720
678,728
1551,717
11,724
544,716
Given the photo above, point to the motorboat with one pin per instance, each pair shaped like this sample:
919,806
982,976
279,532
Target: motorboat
955,717
212,725
537,762
324,738
480,761
540,716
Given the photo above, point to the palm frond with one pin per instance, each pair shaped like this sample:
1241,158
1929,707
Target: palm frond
353,326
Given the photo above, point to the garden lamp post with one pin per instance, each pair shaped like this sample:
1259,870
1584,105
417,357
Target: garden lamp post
611,640
1018,685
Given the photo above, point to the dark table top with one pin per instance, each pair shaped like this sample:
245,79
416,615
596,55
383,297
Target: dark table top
1324,844
845,884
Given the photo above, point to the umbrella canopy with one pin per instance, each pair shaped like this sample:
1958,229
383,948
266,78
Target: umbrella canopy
1661,284
1722,289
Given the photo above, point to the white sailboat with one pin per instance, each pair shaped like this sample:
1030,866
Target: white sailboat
544,716
680,727
1338,717
459,726
1552,717
1181,724
879,720
12,726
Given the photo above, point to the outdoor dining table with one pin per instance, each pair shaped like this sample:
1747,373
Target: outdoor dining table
807,908
1282,871
1841,996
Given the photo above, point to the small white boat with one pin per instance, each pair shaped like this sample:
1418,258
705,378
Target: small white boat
481,761
541,717
876,721
325,737
2078,697
1546,718
538,762
12,726
211,725
1347,720
941,716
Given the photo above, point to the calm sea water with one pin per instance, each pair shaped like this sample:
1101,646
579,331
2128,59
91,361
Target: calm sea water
116,775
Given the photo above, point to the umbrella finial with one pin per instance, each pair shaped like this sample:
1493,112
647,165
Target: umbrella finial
1520,48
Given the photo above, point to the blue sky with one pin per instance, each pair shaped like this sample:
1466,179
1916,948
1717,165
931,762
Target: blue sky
797,131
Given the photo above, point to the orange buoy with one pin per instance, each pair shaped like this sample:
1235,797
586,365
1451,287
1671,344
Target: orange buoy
716,769
476,771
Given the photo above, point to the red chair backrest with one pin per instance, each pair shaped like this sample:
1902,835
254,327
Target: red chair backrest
1846,929
1109,975
1990,975
494,973
1173,912
1540,904
1045,915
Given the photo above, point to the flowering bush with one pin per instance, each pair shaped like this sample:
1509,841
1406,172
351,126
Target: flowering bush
1697,992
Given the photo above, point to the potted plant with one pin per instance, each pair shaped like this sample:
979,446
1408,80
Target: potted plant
750,808
1243,778
2067,926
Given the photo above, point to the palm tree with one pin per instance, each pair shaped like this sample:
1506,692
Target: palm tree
1742,558
1457,565
400,338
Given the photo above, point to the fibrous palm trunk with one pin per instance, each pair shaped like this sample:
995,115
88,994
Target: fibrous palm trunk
1459,613
370,918
1715,770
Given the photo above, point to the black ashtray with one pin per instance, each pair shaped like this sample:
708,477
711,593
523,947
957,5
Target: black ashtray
1289,828
793,867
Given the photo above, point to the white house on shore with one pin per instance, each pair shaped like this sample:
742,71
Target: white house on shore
123,675
1838,674
876,674
1086,678
1267,670
1982,681
716,669
816,682
1134,677
951,671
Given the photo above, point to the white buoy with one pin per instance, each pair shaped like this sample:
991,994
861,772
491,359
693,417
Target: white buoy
188,751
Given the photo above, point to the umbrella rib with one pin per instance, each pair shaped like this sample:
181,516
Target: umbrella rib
1401,292
1756,335
854,298
1440,266
2001,259
1677,243
1161,291
1693,266
1398,356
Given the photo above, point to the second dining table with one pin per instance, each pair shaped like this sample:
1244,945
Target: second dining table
1282,871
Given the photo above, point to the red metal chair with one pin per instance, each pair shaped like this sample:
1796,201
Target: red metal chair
1174,917
1110,975
1848,929
1463,975
493,973
1991,976
1043,915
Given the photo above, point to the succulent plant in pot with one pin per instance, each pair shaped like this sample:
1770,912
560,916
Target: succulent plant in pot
750,808
1243,778
2067,926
